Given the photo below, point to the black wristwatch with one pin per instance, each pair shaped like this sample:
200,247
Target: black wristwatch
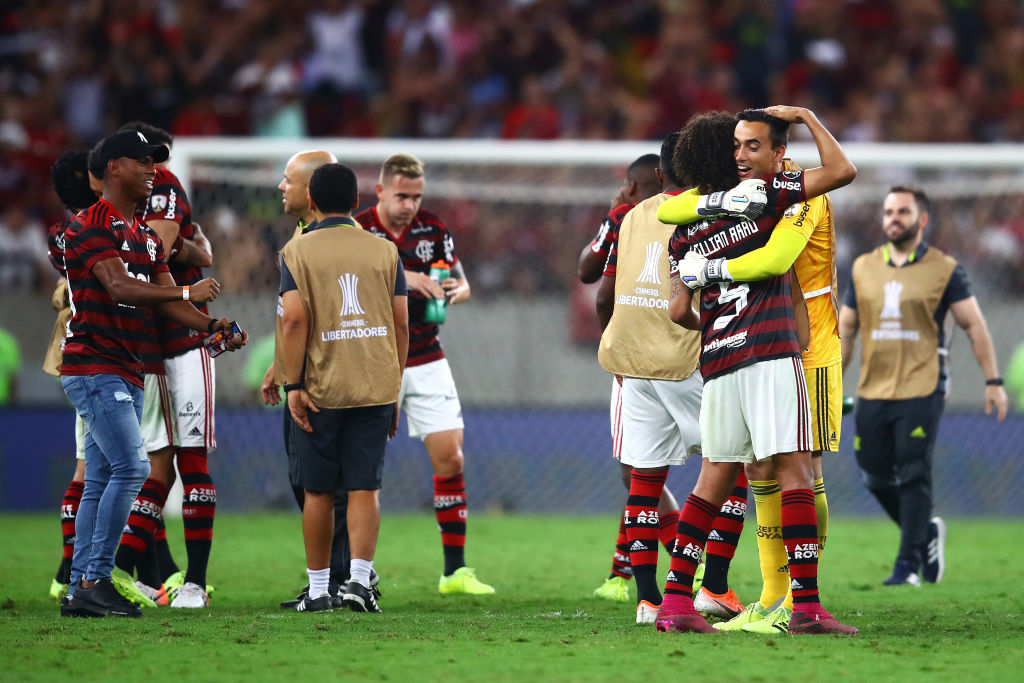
994,382
294,386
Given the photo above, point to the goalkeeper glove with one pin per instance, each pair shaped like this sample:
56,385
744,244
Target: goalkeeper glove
748,199
696,271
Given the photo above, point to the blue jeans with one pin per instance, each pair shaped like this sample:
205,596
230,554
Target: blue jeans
116,467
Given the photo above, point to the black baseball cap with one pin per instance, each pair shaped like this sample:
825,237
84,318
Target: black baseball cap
125,143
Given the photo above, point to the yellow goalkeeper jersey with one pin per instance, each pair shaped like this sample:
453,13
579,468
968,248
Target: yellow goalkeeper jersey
816,270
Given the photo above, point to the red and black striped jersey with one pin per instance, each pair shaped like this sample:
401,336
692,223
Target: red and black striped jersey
107,337
55,244
743,322
604,243
168,202
424,241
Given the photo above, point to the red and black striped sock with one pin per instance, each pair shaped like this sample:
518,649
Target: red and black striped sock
642,529
667,533
800,534
695,520
451,512
724,537
620,558
142,521
167,565
198,506
68,514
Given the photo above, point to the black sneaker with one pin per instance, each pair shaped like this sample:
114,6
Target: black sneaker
935,551
70,608
337,593
291,604
322,604
903,575
103,599
359,598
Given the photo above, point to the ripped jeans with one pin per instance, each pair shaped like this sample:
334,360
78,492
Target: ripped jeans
116,467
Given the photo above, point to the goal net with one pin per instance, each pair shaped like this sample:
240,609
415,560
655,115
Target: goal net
523,349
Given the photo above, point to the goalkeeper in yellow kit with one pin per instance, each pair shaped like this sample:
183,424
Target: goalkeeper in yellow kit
804,237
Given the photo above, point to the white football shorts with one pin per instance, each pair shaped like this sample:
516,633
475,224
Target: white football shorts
660,420
756,411
429,399
157,432
615,418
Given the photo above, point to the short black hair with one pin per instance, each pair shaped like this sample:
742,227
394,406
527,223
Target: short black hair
920,198
644,162
69,176
704,156
668,150
334,189
155,134
779,129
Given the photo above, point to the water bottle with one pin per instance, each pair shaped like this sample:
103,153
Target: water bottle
436,307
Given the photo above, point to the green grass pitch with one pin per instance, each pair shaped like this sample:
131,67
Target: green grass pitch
543,624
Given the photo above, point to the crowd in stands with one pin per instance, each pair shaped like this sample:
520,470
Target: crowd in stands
874,70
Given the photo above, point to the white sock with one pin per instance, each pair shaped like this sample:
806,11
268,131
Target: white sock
318,581
359,571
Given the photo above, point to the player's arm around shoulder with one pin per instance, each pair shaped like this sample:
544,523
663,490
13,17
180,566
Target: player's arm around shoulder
680,306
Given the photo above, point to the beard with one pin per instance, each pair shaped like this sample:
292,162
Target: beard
906,235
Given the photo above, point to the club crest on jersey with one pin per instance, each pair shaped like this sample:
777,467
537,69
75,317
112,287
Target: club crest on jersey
158,202
424,250
792,210
349,284
151,248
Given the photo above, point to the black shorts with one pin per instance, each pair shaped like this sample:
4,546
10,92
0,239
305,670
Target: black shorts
895,439
345,450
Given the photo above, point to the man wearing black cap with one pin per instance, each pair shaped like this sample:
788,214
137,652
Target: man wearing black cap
114,265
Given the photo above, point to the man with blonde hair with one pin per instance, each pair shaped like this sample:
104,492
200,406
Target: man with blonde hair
428,397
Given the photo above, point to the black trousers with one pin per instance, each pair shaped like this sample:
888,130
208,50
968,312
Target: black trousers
894,445
341,554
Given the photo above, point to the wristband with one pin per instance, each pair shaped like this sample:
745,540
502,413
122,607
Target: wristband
184,293
209,328
293,386
994,382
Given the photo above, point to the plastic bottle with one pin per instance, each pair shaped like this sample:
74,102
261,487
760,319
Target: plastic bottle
436,307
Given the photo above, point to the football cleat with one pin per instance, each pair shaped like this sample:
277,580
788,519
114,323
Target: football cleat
150,592
819,624
935,551
192,596
58,590
325,603
902,575
698,578
463,580
615,589
359,598
646,612
689,622
751,614
775,623
724,606
125,585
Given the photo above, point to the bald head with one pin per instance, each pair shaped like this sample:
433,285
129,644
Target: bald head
295,184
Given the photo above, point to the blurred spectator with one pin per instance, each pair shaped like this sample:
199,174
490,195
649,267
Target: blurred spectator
23,263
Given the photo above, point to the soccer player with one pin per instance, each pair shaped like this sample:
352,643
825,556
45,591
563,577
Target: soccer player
294,187
900,295
69,176
114,267
807,229
179,374
343,376
661,390
755,403
429,398
641,182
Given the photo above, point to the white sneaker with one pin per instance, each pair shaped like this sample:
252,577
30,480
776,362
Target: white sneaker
646,612
148,591
191,595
